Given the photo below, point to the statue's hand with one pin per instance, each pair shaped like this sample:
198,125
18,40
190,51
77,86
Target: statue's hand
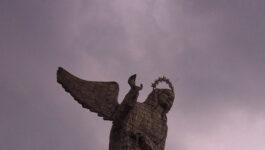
131,82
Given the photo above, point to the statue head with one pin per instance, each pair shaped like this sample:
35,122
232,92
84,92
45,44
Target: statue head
165,98
161,97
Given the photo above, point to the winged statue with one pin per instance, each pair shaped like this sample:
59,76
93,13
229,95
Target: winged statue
135,125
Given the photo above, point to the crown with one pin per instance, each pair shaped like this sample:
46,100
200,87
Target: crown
163,79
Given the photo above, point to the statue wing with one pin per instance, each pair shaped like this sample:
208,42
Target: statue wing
99,97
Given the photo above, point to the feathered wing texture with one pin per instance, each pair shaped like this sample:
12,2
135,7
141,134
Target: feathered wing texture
99,97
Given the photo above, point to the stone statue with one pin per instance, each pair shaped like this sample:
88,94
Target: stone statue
136,126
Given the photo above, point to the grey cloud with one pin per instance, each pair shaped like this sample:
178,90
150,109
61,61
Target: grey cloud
213,51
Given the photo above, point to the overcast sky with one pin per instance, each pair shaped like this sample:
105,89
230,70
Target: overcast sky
212,50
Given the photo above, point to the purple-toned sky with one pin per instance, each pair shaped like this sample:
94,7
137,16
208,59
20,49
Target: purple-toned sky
212,50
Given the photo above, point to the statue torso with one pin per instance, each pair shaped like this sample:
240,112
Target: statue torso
141,119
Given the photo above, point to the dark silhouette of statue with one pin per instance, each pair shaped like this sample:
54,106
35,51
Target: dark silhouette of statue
136,126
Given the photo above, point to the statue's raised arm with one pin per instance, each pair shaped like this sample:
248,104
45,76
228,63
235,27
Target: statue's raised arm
99,97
